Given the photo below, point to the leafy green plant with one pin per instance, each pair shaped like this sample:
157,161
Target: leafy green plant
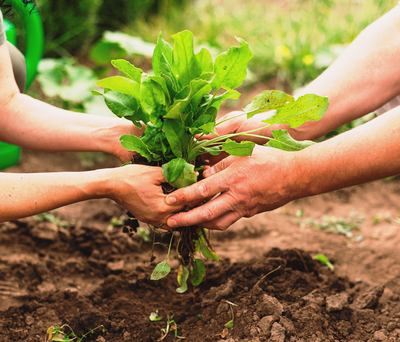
324,260
179,106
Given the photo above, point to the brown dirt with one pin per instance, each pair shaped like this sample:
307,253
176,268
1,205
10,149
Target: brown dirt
85,273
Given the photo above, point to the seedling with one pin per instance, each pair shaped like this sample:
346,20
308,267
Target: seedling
179,106
154,317
171,326
53,334
324,260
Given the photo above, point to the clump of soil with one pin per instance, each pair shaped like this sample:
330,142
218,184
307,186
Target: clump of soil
87,275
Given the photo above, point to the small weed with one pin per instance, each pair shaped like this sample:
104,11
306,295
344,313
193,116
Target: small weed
116,222
324,260
381,217
48,217
154,317
338,225
57,334
171,326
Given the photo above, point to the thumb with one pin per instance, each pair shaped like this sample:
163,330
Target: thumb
220,166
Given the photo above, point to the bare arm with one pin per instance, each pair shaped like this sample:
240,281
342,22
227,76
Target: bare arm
28,122
135,187
271,178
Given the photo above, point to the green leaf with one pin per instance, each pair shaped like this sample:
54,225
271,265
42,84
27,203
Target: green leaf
306,108
206,60
102,52
230,94
283,141
230,66
162,83
174,112
213,150
162,56
244,148
183,275
123,106
186,178
173,169
135,144
207,253
184,62
229,325
151,94
121,84
323,259
176,136
198,272
267,100
128,69
162,270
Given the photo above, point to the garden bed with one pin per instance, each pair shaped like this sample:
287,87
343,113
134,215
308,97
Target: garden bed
85,273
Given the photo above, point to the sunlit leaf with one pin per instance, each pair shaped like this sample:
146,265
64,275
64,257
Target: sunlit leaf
161,270
283,141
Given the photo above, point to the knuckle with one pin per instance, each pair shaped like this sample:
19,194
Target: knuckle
204,189
207,214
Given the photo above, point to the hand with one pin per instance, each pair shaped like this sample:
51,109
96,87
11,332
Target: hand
138,189
236,122
246,186
115,144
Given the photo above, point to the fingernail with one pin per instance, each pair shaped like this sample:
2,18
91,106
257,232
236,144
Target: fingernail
171,223
171,200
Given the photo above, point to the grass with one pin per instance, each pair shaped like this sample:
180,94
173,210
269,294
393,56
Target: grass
293,39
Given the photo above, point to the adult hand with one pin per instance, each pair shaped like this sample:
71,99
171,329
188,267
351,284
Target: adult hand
246,186
138,189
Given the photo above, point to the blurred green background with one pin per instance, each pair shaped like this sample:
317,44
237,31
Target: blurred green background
293,41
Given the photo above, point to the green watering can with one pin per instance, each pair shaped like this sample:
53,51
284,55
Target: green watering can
33,52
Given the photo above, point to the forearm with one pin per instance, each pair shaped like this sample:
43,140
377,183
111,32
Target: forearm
28,122
29,194
363,78
366,153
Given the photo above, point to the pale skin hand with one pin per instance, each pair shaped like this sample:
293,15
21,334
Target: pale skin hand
30,123
135,187
270,178
362,79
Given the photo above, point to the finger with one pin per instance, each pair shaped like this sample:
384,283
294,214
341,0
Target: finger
205,213
199,191
223,222
220,166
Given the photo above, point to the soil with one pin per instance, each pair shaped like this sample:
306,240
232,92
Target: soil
75,268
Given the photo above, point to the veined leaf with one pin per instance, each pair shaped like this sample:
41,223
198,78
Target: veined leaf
162,83
176,136
123,106
267,100
285,142
173,169
244,148
162,54
128,69
121,84
230,66
183,275
186,178
135,144
162,269
206,60
306,108
151,94
198,272
184,62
